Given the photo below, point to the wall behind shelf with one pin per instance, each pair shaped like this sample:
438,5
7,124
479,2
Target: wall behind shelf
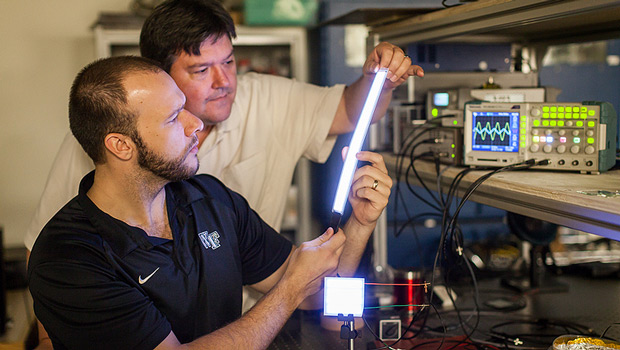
44,45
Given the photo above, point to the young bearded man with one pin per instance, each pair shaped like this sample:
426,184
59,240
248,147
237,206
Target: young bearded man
148,256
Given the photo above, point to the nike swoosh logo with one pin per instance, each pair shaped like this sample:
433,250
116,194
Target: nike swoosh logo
143,280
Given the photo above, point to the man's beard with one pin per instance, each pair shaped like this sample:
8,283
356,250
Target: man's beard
168,169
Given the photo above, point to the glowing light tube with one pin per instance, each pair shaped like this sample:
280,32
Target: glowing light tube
350,162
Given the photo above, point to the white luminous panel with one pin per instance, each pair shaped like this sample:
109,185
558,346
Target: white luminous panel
363,123
343,295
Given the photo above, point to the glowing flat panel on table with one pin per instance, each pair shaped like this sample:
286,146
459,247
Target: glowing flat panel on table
343,295
350,162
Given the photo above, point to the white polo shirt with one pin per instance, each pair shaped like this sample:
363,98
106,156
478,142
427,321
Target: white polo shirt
274,121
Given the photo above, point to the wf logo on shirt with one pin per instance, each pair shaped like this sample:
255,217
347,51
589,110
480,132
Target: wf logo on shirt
210,240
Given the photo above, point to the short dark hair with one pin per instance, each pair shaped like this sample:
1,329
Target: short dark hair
98,101
183,25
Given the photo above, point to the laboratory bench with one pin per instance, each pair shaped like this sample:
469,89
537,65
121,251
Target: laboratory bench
585,202
588,305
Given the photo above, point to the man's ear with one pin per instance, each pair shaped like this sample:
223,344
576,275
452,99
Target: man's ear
121,146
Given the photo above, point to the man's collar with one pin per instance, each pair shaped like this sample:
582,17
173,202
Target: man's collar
121,237
221,129
124,238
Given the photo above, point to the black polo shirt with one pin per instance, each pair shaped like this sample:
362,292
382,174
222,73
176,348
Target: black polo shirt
98,283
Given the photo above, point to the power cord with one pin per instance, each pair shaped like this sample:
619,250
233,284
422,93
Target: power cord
450,233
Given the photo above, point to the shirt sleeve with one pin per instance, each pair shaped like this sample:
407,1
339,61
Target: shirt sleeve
83,305
262,249
69,167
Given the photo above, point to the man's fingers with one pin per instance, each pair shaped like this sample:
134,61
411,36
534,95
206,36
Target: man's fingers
324,237
401,71
386,54
416,70
328,238
399,64
372,187
375,158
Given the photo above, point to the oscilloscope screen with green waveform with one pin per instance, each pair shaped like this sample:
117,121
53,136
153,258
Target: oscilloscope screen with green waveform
495,131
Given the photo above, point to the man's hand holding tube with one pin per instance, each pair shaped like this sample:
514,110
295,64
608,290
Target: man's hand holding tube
312,261
370,189
368,197
395,60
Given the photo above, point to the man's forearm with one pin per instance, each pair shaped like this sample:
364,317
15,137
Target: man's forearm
357,238
355,94
257,328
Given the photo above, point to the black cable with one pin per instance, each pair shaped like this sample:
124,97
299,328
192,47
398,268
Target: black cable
522,165
476,296
435,264
405,144
452,192
375,335
438,253
541,324
413,319
410,220
397,233
417,175
449,228
409,142
412,190
455,184
439,175
606,329
508,340
455,342
458,313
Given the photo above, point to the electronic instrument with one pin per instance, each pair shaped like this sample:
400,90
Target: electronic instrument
571,136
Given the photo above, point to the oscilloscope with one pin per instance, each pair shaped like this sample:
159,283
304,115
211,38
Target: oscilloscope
572,136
